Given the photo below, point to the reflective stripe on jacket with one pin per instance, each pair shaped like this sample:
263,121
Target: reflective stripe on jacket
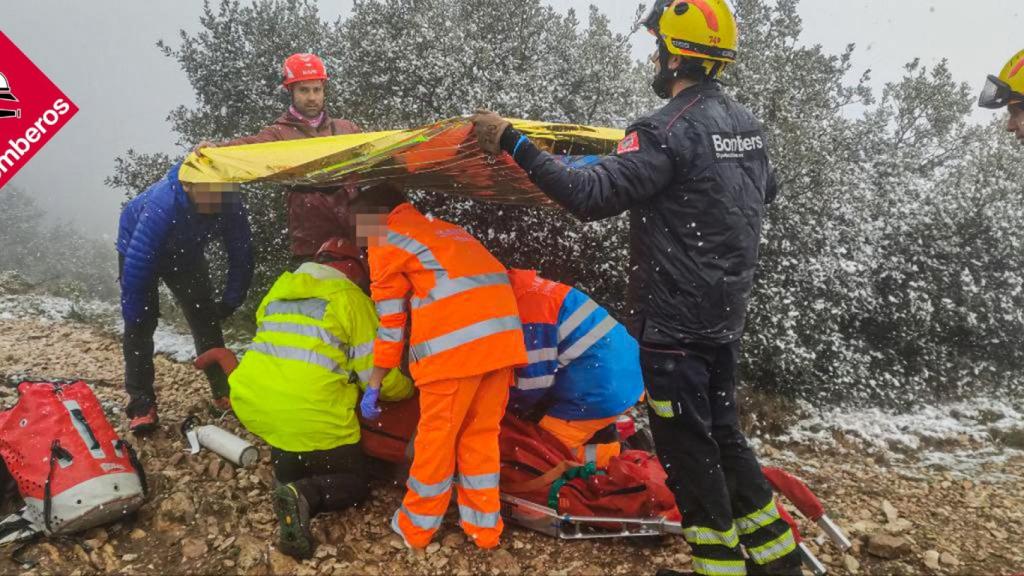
464,315
578,353
298,384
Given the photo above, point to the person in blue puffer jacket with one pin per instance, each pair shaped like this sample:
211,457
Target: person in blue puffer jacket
583,371
163,235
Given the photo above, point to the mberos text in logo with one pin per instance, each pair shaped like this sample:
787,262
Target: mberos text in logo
32,109
738,147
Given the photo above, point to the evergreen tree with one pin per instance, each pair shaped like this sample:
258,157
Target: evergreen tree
889,270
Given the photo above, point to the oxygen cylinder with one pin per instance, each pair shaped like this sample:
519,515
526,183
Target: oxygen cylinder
227,445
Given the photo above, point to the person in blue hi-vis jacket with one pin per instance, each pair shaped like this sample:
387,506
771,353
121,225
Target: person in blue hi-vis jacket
163,235
583,371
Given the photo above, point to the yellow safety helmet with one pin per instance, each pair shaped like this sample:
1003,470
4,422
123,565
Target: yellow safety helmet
700,29
1007,88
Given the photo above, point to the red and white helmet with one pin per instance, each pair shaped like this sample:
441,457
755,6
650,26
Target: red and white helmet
345,257
302,67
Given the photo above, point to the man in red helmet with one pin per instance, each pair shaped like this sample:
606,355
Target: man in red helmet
315,214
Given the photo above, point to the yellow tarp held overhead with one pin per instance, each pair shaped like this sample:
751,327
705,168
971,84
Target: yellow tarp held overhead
442,157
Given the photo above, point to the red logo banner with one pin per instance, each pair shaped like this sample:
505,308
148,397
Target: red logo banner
32,109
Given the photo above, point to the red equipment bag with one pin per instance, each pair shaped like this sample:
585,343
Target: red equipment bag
70,466
536,466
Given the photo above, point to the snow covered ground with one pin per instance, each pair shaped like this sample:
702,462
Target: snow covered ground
175,344
958,436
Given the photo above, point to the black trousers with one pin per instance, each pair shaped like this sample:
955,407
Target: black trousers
712,471
330,480
192,290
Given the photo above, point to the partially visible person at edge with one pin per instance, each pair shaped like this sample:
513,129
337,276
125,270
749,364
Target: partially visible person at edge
584,369
465,339
1007,91
696,179
298,385
315,213
162,235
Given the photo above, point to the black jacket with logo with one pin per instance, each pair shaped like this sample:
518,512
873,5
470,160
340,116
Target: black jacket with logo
696,178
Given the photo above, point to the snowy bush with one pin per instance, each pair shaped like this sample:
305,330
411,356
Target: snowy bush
889,264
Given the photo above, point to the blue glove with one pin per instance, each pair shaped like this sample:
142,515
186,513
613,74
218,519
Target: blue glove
368,406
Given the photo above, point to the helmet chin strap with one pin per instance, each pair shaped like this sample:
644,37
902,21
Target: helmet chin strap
665,78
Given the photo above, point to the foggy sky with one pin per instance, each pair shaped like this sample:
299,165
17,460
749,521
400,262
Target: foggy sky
102,54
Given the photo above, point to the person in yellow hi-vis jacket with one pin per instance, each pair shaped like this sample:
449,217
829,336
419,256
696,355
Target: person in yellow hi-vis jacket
298,385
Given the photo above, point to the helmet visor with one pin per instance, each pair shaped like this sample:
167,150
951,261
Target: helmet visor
653,19
997,94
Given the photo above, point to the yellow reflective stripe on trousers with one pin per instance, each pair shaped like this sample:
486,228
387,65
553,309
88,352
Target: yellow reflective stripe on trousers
465,335
662,408
712,537
775,549
758,519
710,567
429,490
478,518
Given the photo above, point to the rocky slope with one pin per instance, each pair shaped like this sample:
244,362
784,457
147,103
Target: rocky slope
205,516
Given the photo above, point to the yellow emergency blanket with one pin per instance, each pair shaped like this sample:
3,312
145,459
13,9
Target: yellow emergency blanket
441,157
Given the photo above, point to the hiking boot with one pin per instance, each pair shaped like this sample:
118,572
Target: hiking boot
144,424
292,511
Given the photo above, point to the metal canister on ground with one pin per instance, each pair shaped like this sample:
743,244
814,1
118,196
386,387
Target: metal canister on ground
220,441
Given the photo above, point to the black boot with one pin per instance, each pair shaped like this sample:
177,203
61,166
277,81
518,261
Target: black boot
292,511
786,566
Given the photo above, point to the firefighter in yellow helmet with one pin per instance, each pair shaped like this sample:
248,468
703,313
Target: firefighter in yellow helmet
1007,90
696,178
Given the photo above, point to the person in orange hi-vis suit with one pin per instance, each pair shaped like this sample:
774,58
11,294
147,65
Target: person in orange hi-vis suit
464,343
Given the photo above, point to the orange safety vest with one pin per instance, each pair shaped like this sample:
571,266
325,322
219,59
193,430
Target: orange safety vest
464,315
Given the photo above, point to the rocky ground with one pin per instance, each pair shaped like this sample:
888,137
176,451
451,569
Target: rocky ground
205,516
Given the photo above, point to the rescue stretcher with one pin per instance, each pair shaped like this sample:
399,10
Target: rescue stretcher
550,522
390,439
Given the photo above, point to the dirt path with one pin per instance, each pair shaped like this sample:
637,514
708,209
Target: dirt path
206,517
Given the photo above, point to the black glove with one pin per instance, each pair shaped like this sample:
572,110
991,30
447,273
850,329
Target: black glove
225,310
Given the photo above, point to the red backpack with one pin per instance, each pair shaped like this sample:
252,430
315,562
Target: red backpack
70,466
